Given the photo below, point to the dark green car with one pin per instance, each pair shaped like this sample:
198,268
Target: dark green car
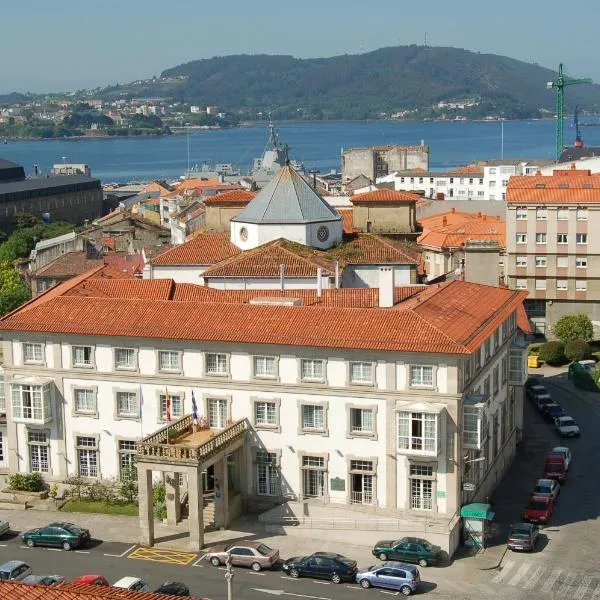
408,549
62,535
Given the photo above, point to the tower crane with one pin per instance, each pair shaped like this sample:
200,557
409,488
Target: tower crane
578,141
559,84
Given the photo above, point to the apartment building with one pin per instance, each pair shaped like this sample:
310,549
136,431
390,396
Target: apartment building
391,407
553,245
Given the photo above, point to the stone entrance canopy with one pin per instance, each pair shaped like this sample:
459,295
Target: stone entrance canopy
179,449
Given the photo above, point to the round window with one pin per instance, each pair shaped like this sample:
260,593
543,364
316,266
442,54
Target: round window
322,233
243,234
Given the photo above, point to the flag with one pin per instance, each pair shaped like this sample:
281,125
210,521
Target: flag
194,409
168,405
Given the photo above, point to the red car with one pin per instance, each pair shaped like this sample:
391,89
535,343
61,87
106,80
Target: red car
555,467
538,509
92,580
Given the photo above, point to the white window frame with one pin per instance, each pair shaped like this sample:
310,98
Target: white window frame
562,213
541,238
521,284
313,417
216,364
309,373
424,483
521,213
581,262
265,413
80,362
422,376
33,353
562,285
560,260
408,423
88,450
31,403
133,402
562,238
581,239
521,261
125,457
264,367
166,364
91,393
541,262
357,427
365,371
177,405
128,366
582,214
541,213
581,285
521,238
42,450
541,285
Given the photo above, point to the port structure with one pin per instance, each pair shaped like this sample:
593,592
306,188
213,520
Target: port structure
559,84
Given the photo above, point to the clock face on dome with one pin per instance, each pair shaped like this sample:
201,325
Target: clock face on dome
323,233
243,234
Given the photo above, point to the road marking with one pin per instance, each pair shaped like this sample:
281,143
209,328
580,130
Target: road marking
284,593
82,551
504,571
321,582
123,554
390,593
353,587
530,583
255,573
583,587
3,545
554,575
53,549
26,547
197,563
290,578
158,555
519,574
567,585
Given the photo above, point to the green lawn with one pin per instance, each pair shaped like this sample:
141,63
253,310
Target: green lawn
97,506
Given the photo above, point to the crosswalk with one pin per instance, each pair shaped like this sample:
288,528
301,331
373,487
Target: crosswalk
549,580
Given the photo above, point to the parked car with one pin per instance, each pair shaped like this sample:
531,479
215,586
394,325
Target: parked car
46,580
391,575
553,411
538,509
408,549
566,426
135,584
534,389
4,527
173,588
255,555
542,400
322,565
14,570
92,580
550,488
564,452
523,536
555,467
63,535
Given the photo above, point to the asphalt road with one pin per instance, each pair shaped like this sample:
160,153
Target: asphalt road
118,560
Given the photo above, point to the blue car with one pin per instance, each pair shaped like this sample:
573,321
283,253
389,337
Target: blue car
391,575
551,412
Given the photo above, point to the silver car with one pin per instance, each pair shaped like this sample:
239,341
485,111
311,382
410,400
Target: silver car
14,570
391,575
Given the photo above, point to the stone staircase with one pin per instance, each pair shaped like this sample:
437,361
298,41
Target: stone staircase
208,512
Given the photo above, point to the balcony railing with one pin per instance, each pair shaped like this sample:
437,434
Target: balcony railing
163,445
361,498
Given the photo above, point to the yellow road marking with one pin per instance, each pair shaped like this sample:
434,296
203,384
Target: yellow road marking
171,557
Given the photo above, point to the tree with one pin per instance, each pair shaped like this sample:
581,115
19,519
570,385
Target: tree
13,290
576,350
552,353
25,220
574,327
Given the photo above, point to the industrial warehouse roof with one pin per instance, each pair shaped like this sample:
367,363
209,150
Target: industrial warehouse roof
451,318
56,184
287,199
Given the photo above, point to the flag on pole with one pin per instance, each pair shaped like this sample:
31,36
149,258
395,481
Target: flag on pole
168,405
194,410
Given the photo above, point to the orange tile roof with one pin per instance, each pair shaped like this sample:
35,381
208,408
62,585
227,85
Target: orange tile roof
340,297
156,187
265,261
456,234
68,265
14,590
98,287
451,217
347,220
233,198
453,318
562,187
202,249
367,248
385,196
194,183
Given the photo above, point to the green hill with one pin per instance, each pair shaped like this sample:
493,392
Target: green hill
388,80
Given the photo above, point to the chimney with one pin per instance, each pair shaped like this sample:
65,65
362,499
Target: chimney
386,287
444,221
282,278
453,210
484,217
479,214
319,282
482,262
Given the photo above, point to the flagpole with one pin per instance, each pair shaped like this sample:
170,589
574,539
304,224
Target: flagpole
168,414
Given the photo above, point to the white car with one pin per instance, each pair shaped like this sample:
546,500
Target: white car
566,426
564,452
132,583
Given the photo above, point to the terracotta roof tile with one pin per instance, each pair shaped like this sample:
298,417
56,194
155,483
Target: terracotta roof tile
14,590
454,318
97,287
68,265
265,261
386,196
366,248
347,220
562,187
233,198
202,249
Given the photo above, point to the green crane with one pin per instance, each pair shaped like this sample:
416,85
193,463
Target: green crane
560,84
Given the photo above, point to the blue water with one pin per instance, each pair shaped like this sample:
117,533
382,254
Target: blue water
318,145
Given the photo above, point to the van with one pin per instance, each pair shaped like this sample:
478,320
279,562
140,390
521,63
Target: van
555,467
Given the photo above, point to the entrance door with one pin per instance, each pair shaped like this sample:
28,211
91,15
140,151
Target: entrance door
362,489
217,413
3,449
313,484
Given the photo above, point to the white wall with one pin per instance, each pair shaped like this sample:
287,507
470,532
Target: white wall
368,275
188,274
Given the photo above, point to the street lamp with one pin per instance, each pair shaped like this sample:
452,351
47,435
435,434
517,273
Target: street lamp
229,577
466,462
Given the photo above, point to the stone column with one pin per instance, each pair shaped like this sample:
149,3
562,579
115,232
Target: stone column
146,509
196,509
221,494
173,498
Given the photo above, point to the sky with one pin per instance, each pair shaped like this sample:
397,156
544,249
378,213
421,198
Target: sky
64,45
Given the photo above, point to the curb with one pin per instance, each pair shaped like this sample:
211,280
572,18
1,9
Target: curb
497,566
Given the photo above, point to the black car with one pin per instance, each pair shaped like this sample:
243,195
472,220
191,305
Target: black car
534,389
322,565
550,412
173,588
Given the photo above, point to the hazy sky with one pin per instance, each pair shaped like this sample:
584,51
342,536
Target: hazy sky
58,45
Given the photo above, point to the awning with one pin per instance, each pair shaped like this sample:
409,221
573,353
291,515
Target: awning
477,510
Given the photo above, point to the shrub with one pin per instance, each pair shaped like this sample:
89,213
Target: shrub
128,487
534,350
27,482
159,496
552,352
574,327
577,350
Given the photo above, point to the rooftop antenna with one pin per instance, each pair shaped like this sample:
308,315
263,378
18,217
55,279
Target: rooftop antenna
425,40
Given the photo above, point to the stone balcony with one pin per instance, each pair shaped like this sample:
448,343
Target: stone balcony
178,444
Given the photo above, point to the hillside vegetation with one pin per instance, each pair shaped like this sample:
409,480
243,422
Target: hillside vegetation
388,80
